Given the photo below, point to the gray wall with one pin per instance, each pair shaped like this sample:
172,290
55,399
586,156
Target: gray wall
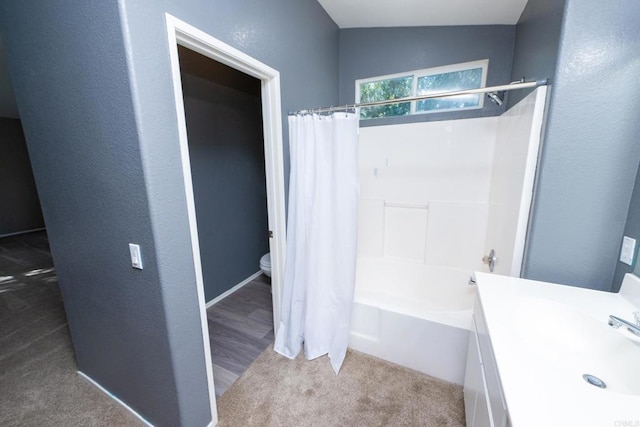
19,204
93,83
70,75
370,52
295,37
8,106
591,152
631,229
226,149
537,41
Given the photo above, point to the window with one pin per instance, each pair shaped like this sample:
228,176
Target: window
469,75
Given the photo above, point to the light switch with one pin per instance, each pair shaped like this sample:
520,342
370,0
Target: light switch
628,250
136,256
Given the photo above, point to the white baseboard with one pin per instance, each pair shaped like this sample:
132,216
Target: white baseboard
108,393
232,290
22,232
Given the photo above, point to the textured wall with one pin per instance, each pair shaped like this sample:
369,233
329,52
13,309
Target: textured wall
93,82
8,106
295,37
83,142
226,149
19,204
591,151
537,40
370,52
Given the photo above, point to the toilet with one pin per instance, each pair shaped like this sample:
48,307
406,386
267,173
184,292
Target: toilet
265,264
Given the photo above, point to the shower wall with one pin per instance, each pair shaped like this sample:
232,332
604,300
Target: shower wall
424,191
428,194
442,194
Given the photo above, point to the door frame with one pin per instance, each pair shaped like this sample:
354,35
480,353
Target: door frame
183,34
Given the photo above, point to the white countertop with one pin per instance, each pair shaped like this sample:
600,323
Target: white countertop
540,362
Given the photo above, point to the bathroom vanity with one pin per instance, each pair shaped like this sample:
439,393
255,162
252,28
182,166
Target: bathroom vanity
542,354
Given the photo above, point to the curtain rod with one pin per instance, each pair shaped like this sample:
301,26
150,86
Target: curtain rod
501,88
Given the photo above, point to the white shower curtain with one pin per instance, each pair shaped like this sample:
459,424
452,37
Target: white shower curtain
320,266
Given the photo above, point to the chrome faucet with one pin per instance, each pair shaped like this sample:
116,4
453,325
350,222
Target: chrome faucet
616,322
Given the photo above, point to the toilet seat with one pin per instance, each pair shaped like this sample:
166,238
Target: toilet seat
265,264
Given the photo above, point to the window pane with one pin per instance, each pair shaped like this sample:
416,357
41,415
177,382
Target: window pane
383,90
458,80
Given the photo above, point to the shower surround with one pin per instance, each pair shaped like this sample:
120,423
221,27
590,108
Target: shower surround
428,195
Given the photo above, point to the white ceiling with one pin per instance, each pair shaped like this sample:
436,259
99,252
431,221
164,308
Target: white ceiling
413,13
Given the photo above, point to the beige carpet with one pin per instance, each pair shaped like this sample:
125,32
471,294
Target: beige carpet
276,391
40,386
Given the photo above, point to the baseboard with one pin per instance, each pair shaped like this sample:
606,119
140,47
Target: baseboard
22,232
108,393
232,290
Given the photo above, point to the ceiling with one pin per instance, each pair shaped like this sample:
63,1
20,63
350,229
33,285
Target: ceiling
414,13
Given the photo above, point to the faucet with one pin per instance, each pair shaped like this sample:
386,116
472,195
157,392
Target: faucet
616,322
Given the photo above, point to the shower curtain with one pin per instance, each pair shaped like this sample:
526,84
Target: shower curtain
320,268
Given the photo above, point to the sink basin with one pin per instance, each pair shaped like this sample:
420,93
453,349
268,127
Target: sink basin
579,344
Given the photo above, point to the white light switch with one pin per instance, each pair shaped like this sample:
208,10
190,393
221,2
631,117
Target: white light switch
136,256
628,250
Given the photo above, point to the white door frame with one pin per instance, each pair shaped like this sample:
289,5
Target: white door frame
181,33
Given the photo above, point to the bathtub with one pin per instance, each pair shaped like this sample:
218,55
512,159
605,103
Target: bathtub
414,315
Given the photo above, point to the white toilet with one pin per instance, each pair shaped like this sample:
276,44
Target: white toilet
265,264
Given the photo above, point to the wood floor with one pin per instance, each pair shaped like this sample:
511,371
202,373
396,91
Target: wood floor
240,329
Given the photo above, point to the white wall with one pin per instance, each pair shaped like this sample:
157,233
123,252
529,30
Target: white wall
424,191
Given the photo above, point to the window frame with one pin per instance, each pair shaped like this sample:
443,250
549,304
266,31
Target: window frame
417,74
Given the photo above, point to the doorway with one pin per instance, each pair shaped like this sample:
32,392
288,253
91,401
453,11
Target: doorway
182,35
226,149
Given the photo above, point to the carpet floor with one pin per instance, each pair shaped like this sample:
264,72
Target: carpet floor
39,383
40,386
276,391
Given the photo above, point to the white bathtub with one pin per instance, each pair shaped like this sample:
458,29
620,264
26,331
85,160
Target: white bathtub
414,315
